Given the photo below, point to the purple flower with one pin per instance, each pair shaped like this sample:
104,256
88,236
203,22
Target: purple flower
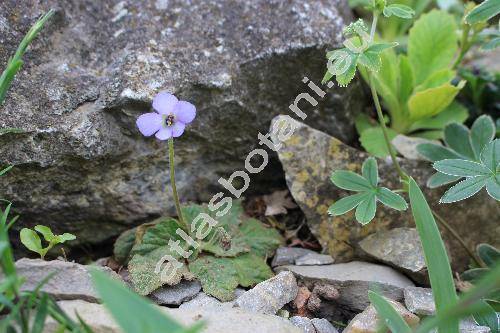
170,118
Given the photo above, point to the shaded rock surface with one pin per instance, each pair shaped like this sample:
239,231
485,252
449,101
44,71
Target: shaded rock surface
230,320
368,320
177,294
70,280
271,295
299,256
310,156
407,146
323,326
400,248
303,323
353,280
420,301
81,164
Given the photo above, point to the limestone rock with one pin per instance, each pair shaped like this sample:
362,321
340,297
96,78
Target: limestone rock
400,248
310,156
271,295
353,280
303,323
81,164
202,300
420,301
314,259
230,320
368,320
407,146
323,326
70,280
299,256
177,294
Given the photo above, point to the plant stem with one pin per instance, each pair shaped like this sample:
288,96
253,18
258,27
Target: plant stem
374,26
172,181
401,173
464,45
445,225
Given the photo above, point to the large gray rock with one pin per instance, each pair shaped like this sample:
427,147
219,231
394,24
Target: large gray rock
310,157
353,281
230,320
80,163
400,248
69,281
271,295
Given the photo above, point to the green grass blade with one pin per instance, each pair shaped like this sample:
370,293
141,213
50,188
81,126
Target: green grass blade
41,315
15,63
436,257
132,312
391,317
468,304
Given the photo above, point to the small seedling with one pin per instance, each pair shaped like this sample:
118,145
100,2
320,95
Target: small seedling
32,241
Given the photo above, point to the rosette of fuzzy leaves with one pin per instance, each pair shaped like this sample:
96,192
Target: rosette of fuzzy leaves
369,192
471,154
233,253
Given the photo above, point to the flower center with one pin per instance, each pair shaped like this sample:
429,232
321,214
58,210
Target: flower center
169,120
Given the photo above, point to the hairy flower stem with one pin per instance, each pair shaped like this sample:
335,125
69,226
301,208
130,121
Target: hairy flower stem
402,175
172,181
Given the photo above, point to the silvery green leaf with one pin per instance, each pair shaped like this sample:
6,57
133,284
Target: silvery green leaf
434,152
490,156
465,189
349,180
391,199
347,204
491,44
493,187
488,254
462,168
371,60
483,12
365,212
369,170
456,137
379,47
346,77
481,133
399,10
440,179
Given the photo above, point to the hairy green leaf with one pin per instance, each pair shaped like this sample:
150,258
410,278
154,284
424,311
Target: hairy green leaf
483,12
347,204
349,180
465,189
365,212
391,199
369,170
440,179
481,133
456,136
399,10
123,245
493,187
434,152
490,155
462,168
488,254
